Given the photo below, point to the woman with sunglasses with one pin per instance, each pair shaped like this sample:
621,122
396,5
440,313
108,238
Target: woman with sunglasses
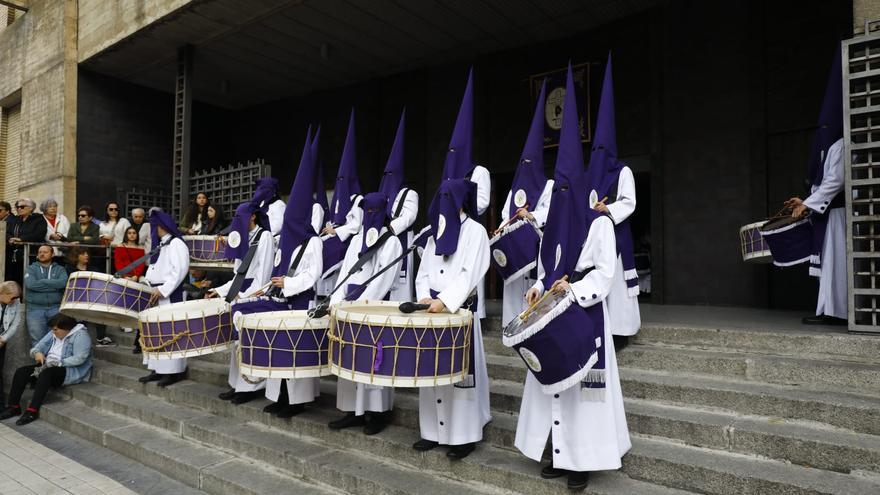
113,228
26,227
85,231
10,321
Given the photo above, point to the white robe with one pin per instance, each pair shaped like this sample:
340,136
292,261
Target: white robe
360,397
169,270
481,177
260,271
833,287
513,301
402,289
317,217
353,220
275,213
586,435
623,308
448,414
300,390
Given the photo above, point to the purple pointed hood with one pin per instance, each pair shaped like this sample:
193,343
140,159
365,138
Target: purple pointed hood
375,206
566,228
392,177
830,124
452,196
346,179
458,157
157,218
529,180
297,227
266,192
604,168
320,191
239,229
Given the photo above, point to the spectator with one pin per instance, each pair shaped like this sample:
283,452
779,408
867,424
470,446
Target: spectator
26,227
127,253
85,231
10,322
57,225
44,286
5,210
215,221
113,228
63,357
195,215
139,221
79,260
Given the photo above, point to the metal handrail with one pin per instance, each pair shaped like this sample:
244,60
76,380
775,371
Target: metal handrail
27,253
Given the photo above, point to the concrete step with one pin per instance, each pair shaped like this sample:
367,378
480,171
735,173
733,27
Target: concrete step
198,466
499,468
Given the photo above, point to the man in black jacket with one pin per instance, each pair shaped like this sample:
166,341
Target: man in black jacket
26,227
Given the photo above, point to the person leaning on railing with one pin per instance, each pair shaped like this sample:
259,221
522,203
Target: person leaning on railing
85,231
26,227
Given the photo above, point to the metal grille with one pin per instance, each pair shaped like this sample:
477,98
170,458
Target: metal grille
146,199
182,126
10,152
861,107
229,186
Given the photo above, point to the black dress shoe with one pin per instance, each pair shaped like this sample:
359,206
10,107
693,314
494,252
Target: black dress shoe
347,421
136,350
461,451
10,412
577,480
152,377
272,408
170,379
228,395
27,417
244,397
823,320
290,411
425,445
375,422
549,472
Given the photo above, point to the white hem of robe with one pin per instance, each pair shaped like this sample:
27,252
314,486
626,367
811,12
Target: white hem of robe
833,287
360,397
299,390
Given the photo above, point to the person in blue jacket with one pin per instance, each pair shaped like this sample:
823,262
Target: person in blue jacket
63,357
44,284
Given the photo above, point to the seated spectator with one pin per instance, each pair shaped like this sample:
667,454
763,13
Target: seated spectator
44,285
80,260
127,253
63,357
26,227
57,225
215,221
5,210
139,221
195,215
10,321
113,228
85,231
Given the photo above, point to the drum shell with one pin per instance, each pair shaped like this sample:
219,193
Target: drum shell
103,299
283,344
515,250
418,350
206,252
790,244
186,329
752,244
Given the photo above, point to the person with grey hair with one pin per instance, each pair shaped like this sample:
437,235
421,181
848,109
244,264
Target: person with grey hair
26,227
10,321
139,222
57,225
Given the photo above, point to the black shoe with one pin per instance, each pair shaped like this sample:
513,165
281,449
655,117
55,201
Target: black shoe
347,421
10,412
823,320
273,408
461,451
425,445
375,422
27,417
549,472
136,350
228,395
620,342
577,480
170,379
152,377
290,411
244,397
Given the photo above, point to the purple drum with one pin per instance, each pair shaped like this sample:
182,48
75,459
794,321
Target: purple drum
104,299
333,253
754,248
559,341
373,342
515,249
186,329
207,251
282,344
790,240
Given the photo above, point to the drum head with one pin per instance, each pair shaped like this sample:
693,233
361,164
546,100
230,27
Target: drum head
778,223
102,316
524,324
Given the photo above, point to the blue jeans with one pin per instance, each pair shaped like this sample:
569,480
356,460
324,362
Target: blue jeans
38,322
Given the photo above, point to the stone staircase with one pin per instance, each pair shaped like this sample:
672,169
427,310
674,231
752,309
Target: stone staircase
711,409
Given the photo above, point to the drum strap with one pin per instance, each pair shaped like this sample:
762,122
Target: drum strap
238,281
140,261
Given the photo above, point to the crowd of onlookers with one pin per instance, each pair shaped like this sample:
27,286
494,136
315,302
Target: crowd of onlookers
59,345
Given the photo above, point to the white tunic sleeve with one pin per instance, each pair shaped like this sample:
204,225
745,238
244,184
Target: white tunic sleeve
474,244
307,272
600,253
505,210
378,288
353,220
261,266
481,176
176,266
423,281
317,218
832,180
543,208
625,203
408,213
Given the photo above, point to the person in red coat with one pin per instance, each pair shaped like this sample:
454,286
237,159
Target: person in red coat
129,252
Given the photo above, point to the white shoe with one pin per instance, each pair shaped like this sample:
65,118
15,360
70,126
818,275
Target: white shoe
128,330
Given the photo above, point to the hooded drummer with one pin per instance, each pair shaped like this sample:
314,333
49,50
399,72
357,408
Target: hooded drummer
166,274
585,421
320,206
368,405
249,233
266,196
454,262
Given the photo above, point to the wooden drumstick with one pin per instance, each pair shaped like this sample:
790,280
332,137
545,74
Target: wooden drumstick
525,314
509,221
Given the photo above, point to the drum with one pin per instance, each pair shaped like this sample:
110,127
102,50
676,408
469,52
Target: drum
373,342
515,249
282,344
186,329
104,299
207,251
790,240
558,340
332,253
752,245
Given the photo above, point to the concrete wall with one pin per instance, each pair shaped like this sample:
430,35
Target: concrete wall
864,10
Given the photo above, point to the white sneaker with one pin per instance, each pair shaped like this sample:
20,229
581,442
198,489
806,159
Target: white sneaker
105,342
128,330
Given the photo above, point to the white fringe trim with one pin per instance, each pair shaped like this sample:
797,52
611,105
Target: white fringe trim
815,272
791,263
630,274
555,388
815,259
522,271
633,291
539,325
783,229
514,227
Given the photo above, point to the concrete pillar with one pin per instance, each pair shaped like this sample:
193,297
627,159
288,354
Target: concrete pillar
865,10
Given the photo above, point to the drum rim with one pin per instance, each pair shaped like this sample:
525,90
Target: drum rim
786,227
199,237
513,227
300,315
339,313
540,323
213,307
396,381
752,226
109,278
200,351
289,373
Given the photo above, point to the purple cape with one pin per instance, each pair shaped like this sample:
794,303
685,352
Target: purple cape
375,206
452,196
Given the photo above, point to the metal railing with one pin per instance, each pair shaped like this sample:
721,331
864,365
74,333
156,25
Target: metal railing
108,251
